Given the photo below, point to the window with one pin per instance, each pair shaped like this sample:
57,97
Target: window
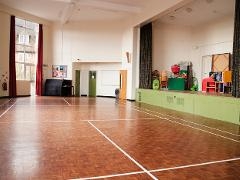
23,39
26,49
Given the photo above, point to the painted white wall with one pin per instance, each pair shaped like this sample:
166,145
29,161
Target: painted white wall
109,70
107,82
47,53
20,14
4,50
135,61
175,43
215,38
216,32
92,41
130,43
154,9
171,44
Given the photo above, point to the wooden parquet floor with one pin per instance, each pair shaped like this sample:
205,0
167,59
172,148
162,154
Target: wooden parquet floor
56,138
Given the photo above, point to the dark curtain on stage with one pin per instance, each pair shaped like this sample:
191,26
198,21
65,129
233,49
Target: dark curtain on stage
145,71
236,53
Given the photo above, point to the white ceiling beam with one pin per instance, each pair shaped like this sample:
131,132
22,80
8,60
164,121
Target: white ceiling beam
110,6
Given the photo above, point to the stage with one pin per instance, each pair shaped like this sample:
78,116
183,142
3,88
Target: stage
212,105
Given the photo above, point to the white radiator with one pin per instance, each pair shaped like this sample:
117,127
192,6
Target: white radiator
23,88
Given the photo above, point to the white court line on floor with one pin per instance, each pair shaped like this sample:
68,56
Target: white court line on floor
196,165
110,176
58,121
47,105
191,122
161,169
7,109
209,132
126,154
103,120
30,121
82,105
66,102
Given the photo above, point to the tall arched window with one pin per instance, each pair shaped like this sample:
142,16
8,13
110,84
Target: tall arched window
26,50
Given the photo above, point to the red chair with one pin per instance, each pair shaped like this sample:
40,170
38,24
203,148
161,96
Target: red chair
208,85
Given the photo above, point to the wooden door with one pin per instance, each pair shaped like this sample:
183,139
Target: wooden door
123,84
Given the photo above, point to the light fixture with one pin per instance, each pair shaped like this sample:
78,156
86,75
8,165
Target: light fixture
128,57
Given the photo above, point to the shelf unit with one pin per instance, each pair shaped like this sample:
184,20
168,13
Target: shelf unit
219,87
211,87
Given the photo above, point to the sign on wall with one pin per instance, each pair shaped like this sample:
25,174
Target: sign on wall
220,62
59,71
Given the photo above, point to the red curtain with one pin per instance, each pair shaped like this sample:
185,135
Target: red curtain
12,66
39,73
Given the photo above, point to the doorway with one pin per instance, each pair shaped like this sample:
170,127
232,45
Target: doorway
77,83
92,83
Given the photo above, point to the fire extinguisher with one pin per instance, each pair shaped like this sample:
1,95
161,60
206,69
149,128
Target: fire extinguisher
4,86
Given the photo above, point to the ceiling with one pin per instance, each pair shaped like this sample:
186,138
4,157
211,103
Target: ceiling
76,10
197,12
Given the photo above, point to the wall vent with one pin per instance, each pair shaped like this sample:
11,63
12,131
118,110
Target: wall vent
239,117
180,101
139,96
169,99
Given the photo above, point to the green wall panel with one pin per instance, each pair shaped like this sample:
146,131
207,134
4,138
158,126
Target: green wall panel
216,107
